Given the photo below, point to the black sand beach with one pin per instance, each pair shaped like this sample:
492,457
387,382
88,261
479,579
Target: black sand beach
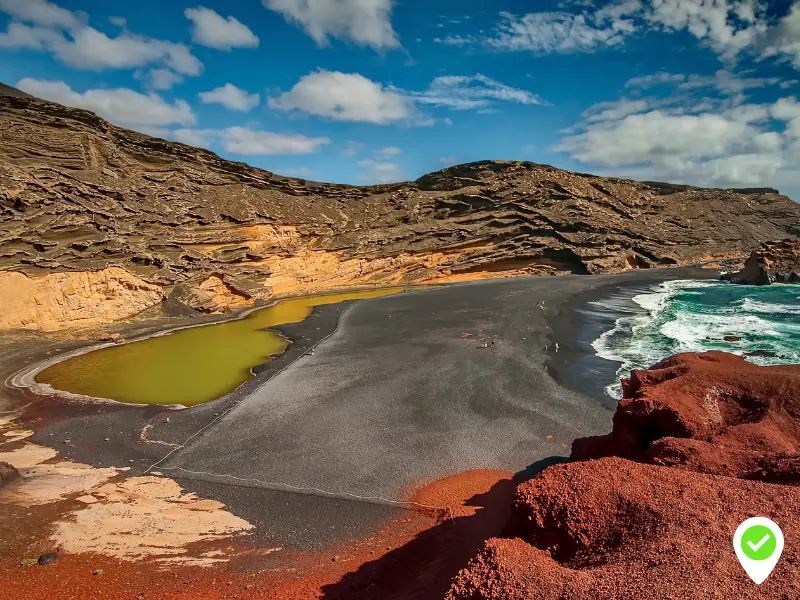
316,449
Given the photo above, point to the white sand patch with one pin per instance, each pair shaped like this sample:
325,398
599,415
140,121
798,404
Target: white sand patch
28,456
43,484
14,435
146,517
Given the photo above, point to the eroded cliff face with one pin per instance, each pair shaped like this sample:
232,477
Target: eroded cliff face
80,195
73,299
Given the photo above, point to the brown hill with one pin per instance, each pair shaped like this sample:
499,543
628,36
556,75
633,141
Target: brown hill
100,222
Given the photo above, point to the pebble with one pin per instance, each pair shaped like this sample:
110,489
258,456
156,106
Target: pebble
97,572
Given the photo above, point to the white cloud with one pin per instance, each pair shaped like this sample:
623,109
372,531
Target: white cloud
121,105
345,97
352,148
160,79
710,142
729,27
548,32
200,138
604,111
660,78
41,12
784,39
231,97
63,34
390,151
381,172
463,93
215,31
448,160
241,140
364,22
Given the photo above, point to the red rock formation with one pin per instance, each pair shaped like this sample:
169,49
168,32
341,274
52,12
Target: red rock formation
712,413
610,527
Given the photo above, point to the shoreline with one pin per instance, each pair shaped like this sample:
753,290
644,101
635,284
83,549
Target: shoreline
576,366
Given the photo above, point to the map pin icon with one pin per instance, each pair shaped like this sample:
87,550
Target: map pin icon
758,543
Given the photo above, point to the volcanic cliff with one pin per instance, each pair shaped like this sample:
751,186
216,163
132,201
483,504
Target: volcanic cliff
100,222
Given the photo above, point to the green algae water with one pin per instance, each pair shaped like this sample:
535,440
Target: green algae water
189,366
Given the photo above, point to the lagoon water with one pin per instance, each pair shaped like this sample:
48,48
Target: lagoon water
189,366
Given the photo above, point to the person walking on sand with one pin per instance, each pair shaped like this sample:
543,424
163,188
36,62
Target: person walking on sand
492,342
556,347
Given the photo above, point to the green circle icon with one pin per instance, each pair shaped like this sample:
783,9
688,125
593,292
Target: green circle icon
758,542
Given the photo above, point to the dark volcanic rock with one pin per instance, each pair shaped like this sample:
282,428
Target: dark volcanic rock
7,473
773,262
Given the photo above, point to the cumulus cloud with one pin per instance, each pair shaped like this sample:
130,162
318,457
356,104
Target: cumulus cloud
710,142
380,172
345,97
726,81
563,32
363,22
63,34
478,91
42,12
243,140
160,79
729,27
121,105
215,31
231,97
390,151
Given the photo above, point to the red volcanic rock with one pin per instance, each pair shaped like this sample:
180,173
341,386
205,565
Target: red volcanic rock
608,526
618,529
711,412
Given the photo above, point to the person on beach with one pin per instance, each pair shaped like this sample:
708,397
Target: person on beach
556,346
492,342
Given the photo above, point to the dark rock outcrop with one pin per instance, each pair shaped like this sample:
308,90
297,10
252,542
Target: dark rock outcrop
773,262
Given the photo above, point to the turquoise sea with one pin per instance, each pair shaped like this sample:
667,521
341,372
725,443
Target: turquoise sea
695,316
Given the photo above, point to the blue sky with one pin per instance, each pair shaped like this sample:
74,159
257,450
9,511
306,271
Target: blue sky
366,91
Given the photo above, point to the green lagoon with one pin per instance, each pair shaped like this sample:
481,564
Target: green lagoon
189,366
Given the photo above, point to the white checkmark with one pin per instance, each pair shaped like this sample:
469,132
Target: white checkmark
763,541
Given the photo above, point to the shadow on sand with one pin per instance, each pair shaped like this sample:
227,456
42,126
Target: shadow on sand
423,568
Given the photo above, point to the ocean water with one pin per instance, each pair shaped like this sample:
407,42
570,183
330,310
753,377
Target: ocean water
695,316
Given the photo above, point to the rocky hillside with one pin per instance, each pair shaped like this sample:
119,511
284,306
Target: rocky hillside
99,222
772,262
